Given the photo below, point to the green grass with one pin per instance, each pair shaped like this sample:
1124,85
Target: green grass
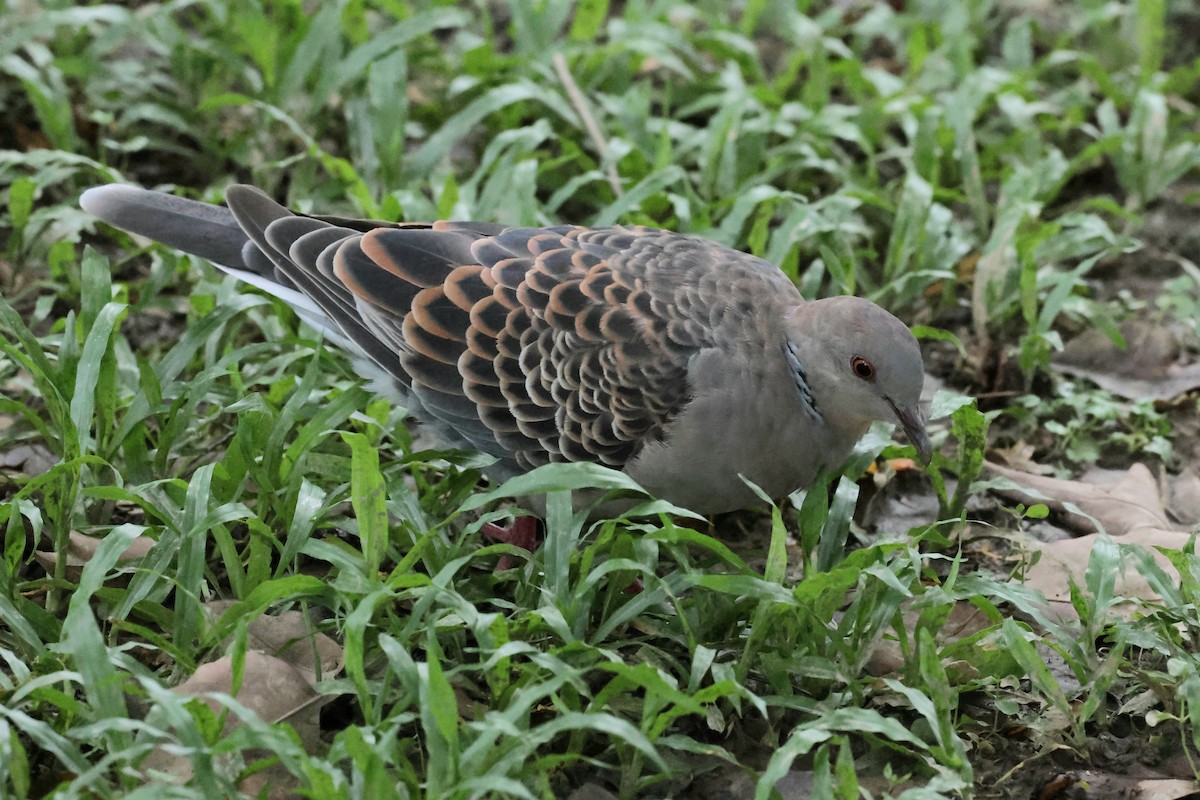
967,164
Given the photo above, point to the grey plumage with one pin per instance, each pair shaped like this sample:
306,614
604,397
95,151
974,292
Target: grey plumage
677,359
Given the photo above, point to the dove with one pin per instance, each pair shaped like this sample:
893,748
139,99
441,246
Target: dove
690,366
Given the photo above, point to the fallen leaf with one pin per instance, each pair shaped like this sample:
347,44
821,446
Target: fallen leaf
1150,367
1120,506
81,548
1067,560
1129,507
272,689
591,791
1167,789
1020,457
1183,498
964,620
292,637
28,459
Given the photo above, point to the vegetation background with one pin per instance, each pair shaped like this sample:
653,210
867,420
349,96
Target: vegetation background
189,479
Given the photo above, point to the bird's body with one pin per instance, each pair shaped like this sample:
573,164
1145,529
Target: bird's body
685,363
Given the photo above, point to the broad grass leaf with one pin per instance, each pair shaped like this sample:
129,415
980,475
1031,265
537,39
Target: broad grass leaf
557,478
83,641
368,494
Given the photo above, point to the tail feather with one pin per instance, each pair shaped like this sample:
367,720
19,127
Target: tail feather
201,229
204,230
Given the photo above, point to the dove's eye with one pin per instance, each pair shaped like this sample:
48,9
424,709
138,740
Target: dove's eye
863,368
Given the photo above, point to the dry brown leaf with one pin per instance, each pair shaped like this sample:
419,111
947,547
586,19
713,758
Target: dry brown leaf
591,791
290,636
1129,507
1099,784
271,688
1020,456
80,550
28,459
1066,560
1149,368
1183,498
1170,789
1121,506
964,620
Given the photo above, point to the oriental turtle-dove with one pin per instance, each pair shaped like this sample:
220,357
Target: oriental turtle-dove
680,361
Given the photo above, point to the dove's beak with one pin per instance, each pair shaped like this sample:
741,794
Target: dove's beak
914,428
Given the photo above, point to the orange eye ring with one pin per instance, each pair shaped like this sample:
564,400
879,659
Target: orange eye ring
862,368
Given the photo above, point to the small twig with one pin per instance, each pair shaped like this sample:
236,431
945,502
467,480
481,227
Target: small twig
579,102
1006,776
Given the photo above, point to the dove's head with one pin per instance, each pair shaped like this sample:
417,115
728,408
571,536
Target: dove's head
861,364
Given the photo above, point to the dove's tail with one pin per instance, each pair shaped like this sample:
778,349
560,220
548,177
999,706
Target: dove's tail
201,229
204,230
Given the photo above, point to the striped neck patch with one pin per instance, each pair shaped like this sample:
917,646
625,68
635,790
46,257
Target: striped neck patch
797,368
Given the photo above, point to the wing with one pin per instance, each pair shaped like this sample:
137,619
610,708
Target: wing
533,344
